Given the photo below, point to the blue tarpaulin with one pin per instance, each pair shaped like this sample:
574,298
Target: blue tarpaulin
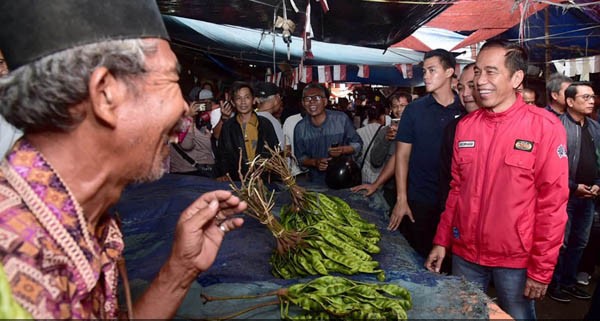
150,212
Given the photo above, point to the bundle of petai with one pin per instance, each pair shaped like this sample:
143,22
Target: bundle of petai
335,298
328,235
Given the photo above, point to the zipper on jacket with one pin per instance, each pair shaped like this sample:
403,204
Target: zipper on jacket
482,197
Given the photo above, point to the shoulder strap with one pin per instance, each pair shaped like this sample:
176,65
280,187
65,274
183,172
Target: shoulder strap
369,147
185,155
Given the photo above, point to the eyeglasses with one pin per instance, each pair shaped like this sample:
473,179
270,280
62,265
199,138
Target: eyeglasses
308,99
587,97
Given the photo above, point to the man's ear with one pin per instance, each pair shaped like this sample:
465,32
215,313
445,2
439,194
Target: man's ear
517,78
569,102
449,72
104,91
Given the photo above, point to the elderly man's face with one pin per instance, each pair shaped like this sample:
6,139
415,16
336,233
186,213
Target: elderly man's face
153,115
3,66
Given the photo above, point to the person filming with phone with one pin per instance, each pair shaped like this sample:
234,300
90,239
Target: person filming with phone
193,154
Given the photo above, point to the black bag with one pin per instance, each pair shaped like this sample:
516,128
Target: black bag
342,172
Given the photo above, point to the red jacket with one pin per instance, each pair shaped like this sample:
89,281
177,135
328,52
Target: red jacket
509,190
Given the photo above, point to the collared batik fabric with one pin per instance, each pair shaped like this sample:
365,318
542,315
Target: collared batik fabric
56,266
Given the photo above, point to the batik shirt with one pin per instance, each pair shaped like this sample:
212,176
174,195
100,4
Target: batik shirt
55,266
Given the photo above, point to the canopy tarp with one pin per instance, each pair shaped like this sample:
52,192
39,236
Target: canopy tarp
574,32
376,24
486,18
257,46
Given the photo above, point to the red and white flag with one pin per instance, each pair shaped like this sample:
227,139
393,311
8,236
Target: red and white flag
409,71
406,69
339,72
294,83
324,73
306,74
363,71
324,5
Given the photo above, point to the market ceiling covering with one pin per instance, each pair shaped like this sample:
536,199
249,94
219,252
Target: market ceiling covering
370,23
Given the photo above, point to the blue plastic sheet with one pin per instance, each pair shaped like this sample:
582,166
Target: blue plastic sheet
150,212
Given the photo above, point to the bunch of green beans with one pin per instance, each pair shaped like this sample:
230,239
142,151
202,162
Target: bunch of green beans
326,248
319,207
336,239
331,298
338,298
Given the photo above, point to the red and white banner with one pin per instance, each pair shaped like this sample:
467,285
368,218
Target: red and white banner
274,78
409,71
324,5
339,72
294,80
306,74
324,74
307,34
406,70
363,71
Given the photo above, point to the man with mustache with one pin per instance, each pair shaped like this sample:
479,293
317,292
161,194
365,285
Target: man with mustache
96,94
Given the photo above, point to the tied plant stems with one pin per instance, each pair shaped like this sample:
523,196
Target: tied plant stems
261,202
277,164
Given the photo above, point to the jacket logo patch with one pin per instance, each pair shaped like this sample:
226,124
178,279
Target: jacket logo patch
523,145
466,144
455,232
561,151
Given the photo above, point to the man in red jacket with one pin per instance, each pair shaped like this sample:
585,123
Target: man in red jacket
506,211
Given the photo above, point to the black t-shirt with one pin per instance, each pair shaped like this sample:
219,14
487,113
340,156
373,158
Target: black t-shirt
587,170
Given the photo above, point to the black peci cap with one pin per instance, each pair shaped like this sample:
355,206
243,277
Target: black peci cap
265,89
33,29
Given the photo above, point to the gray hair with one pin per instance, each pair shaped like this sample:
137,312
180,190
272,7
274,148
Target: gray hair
264,99
38,96
554,83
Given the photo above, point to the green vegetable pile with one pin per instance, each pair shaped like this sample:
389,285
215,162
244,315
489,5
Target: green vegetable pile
336,298
338,240
318,234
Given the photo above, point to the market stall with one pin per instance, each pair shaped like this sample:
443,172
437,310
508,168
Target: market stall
150,211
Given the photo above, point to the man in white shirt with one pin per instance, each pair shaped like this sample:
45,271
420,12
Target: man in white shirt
270,104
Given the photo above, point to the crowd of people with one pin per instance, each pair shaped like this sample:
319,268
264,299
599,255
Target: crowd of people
479,180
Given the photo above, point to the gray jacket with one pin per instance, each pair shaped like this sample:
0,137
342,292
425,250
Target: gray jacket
574,144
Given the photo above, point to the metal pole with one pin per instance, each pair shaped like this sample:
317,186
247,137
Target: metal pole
547,47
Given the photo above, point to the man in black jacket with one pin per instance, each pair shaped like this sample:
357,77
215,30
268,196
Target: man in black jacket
246,133
583,145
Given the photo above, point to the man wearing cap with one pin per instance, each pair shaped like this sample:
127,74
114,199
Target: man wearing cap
97,97
269,105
